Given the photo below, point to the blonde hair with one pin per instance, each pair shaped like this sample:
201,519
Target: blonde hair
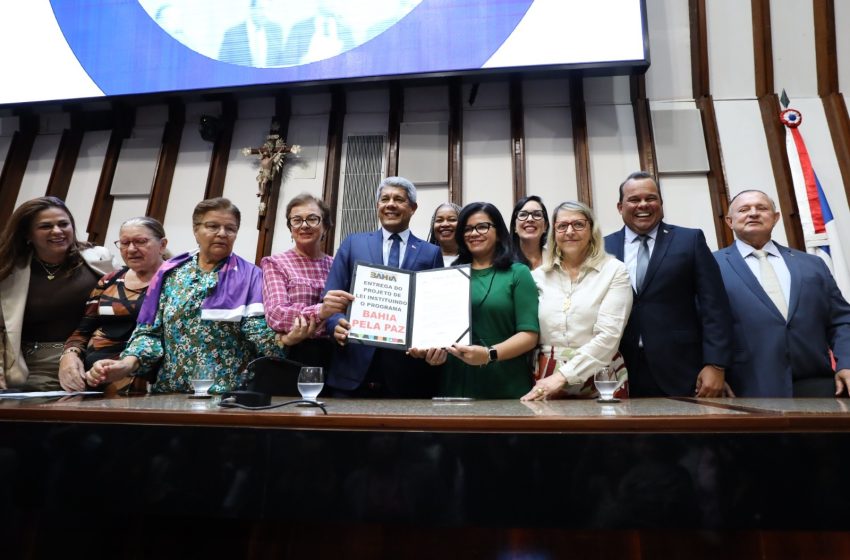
595,249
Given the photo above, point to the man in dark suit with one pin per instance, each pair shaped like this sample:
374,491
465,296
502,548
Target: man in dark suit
358,370
787,309
677,341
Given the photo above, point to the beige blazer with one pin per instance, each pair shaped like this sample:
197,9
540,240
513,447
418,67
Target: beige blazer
13,301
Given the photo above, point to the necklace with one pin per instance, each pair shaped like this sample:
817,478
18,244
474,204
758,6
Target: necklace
568,294
489,287
50,269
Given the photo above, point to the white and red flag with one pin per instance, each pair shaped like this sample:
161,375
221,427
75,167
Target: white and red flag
819,228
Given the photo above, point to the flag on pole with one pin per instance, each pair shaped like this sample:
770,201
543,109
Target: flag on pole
819,228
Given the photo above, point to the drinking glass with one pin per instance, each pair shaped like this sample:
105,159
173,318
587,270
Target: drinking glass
201,382
606,383
310,382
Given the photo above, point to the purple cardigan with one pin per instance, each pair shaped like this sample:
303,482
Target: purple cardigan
238,293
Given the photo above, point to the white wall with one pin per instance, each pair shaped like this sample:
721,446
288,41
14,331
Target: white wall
550,167
731,66
612,143
792,28
83,186
487,147
40,165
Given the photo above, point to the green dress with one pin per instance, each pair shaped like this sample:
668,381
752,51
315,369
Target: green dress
504,302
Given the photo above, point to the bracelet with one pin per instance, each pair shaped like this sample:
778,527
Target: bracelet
73,350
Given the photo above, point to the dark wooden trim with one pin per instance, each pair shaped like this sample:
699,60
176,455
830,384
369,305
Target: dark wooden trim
221,149
65,163
643,124
580,141
16,162
102,206
455,142
762,47
838,120
266,225
517,136
717,187
699,48
333,159
834,106
775,136
825,51
773,129
169,150
396,113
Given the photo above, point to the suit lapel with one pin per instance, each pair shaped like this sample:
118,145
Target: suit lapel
376,249
736,261
662,242
796,278
618,239
411,251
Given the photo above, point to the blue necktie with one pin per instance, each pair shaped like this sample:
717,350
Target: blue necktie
642,262
395,251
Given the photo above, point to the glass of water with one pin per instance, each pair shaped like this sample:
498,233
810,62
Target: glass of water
606,384
201,385
311,380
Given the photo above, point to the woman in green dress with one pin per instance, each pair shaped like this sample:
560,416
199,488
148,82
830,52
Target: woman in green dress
504,313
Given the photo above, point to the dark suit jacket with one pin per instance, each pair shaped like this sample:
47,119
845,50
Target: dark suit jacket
772,355
235,50
682,313
350,363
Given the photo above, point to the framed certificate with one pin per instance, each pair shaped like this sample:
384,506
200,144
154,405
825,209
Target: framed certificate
401,309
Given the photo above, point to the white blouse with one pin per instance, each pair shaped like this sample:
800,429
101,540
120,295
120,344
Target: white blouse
587,316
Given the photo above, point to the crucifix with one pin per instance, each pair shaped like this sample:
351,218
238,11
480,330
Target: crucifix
271,155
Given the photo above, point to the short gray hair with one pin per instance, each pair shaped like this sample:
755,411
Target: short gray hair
399,182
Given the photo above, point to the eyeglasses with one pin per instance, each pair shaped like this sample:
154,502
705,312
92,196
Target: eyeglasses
297,221
481,228
214,228
578,225
139,242
523,215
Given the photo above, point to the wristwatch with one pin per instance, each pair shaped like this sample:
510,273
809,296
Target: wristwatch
492,354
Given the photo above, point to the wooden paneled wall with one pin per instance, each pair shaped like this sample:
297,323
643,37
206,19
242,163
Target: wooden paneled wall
711,94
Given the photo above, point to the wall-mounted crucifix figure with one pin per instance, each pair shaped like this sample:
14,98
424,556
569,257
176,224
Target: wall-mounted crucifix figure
272,155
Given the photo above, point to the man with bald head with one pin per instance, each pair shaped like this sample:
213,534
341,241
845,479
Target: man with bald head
787,309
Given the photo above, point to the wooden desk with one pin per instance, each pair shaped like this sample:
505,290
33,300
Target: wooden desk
643,478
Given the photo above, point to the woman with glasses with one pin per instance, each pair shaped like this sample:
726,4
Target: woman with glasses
529,227
293,281
443,227
585,300
46,276
203,314
504,312
114,304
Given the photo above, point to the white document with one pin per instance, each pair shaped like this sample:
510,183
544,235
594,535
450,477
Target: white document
441,312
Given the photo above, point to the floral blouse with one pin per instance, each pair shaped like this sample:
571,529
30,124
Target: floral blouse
183,344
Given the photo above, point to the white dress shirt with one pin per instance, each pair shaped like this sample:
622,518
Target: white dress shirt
774,258
257,44
593,323
630,250
405,235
